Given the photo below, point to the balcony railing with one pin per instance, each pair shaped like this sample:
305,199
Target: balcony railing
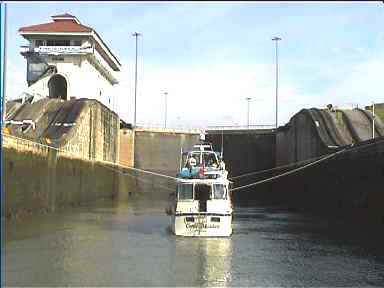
24,49
242,127
56,50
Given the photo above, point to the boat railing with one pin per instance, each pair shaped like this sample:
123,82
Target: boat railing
201,172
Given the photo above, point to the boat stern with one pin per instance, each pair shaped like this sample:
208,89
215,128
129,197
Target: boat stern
202,225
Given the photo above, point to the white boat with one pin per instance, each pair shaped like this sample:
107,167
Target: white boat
202,204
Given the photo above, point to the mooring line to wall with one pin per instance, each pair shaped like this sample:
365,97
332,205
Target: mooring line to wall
152,173
274,168
351,147
289,172
137,178
102,163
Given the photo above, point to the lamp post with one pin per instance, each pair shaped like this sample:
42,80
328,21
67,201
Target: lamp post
277,39
136,35
248,99
4,67
165,108
373,120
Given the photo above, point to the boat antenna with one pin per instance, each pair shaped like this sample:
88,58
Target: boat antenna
181,157
222,143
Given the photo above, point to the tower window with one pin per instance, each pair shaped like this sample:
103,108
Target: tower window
58,43
39,43
76,42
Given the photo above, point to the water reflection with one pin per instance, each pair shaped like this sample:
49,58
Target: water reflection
217,261
129,244
207,260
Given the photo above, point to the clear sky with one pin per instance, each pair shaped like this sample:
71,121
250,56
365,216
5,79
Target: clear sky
210,56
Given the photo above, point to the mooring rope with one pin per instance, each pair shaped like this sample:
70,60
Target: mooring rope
139,179
100,162
289,172
152,173
319,160
351,147
274,168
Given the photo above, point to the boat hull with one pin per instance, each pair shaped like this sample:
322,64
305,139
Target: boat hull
202,224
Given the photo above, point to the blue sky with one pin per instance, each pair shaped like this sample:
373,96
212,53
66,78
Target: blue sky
218,54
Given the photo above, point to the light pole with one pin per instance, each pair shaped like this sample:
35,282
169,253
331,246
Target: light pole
277,39
373,120
165,108
136,35
4,100
248,99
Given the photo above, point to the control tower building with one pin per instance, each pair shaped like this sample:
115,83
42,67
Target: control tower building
68,60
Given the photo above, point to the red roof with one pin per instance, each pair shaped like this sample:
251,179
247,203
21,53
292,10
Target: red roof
67,24
64,15
58,27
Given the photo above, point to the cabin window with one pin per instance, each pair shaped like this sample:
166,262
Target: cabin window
210,159
215,219
219,191
185,191
197,158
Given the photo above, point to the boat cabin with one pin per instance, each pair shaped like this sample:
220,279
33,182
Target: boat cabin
202,204
202,158
202,192
198,191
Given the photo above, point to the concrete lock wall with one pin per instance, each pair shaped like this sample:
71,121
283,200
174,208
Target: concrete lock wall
159,151
84,127
349,185
244,152
39,179
96,135
298,141
126,147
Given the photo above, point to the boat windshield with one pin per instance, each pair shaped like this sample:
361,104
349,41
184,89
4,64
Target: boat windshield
210,159
195,155
219,191
185,191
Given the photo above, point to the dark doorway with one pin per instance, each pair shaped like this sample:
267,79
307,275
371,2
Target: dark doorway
57,87
202,193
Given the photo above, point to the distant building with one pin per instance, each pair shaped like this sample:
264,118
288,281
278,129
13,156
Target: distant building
66,60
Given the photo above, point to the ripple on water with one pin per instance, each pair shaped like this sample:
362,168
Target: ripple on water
130,244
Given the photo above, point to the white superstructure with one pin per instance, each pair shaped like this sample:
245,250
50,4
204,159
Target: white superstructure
66,59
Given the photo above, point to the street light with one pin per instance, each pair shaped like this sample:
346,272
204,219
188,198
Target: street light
277,39
4,100
136,35
373,120
248,99
165,109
